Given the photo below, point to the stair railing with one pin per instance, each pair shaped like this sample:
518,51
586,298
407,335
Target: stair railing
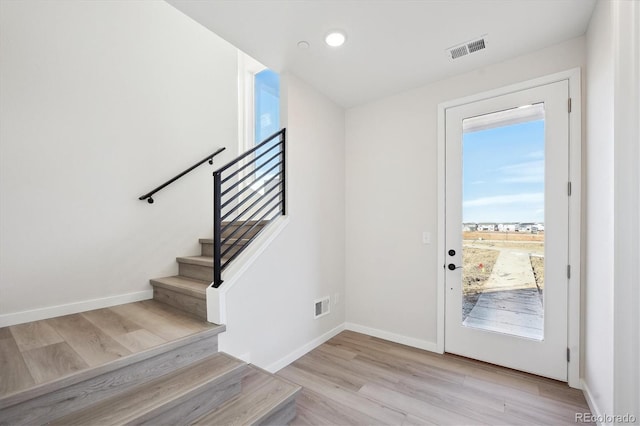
249,192
148,195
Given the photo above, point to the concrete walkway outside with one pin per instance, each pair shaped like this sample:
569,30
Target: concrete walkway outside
511,302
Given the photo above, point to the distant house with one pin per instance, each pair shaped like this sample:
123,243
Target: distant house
469,227
525,227
507,227
487,227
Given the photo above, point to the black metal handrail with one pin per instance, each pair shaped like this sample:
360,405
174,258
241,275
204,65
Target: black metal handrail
148,195
247,179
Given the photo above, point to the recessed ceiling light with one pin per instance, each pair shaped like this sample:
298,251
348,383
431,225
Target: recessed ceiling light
303,44
335,38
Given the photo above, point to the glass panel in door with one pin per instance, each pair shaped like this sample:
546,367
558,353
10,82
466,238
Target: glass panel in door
503,211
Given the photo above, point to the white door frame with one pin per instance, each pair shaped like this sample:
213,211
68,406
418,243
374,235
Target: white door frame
575,153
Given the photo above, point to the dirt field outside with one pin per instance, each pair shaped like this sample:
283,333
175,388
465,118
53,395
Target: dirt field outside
502,236
534,247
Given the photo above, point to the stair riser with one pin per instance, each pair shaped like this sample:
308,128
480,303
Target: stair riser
198,272
191,407
241,222
282,416
207,249
67,399
241,233
189,304
265,399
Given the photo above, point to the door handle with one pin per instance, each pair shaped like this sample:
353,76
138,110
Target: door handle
453,267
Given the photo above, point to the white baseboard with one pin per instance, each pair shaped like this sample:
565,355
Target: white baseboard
393,337
72,308
595,410
283,362
409,341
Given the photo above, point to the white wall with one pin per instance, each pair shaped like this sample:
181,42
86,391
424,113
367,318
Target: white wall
626,39
269,310
612,256
102,101
599,210
392,194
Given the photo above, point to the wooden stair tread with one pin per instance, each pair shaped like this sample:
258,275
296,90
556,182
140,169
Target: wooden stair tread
262,395
147,401
206,330
206,261
184,285
196,260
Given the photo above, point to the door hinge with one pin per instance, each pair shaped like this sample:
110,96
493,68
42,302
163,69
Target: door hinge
568,271
569,188
569,105
568,355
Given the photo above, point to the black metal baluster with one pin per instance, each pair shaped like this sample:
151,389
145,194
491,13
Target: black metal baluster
217,229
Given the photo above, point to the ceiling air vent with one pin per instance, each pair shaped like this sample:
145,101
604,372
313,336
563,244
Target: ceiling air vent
467,48
459,51
476,45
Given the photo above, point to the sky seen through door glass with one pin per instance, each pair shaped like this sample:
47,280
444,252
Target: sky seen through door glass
503,178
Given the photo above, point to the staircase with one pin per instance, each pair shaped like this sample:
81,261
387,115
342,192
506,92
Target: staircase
182,381
187,290
156,362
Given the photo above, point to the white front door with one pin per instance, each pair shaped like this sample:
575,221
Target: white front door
506,230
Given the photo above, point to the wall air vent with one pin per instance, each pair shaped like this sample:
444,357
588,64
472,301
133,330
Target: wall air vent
321,307
467,48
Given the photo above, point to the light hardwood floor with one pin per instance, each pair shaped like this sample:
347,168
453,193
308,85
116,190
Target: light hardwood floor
42,351
355,379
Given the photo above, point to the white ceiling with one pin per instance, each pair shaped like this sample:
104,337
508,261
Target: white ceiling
392,45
